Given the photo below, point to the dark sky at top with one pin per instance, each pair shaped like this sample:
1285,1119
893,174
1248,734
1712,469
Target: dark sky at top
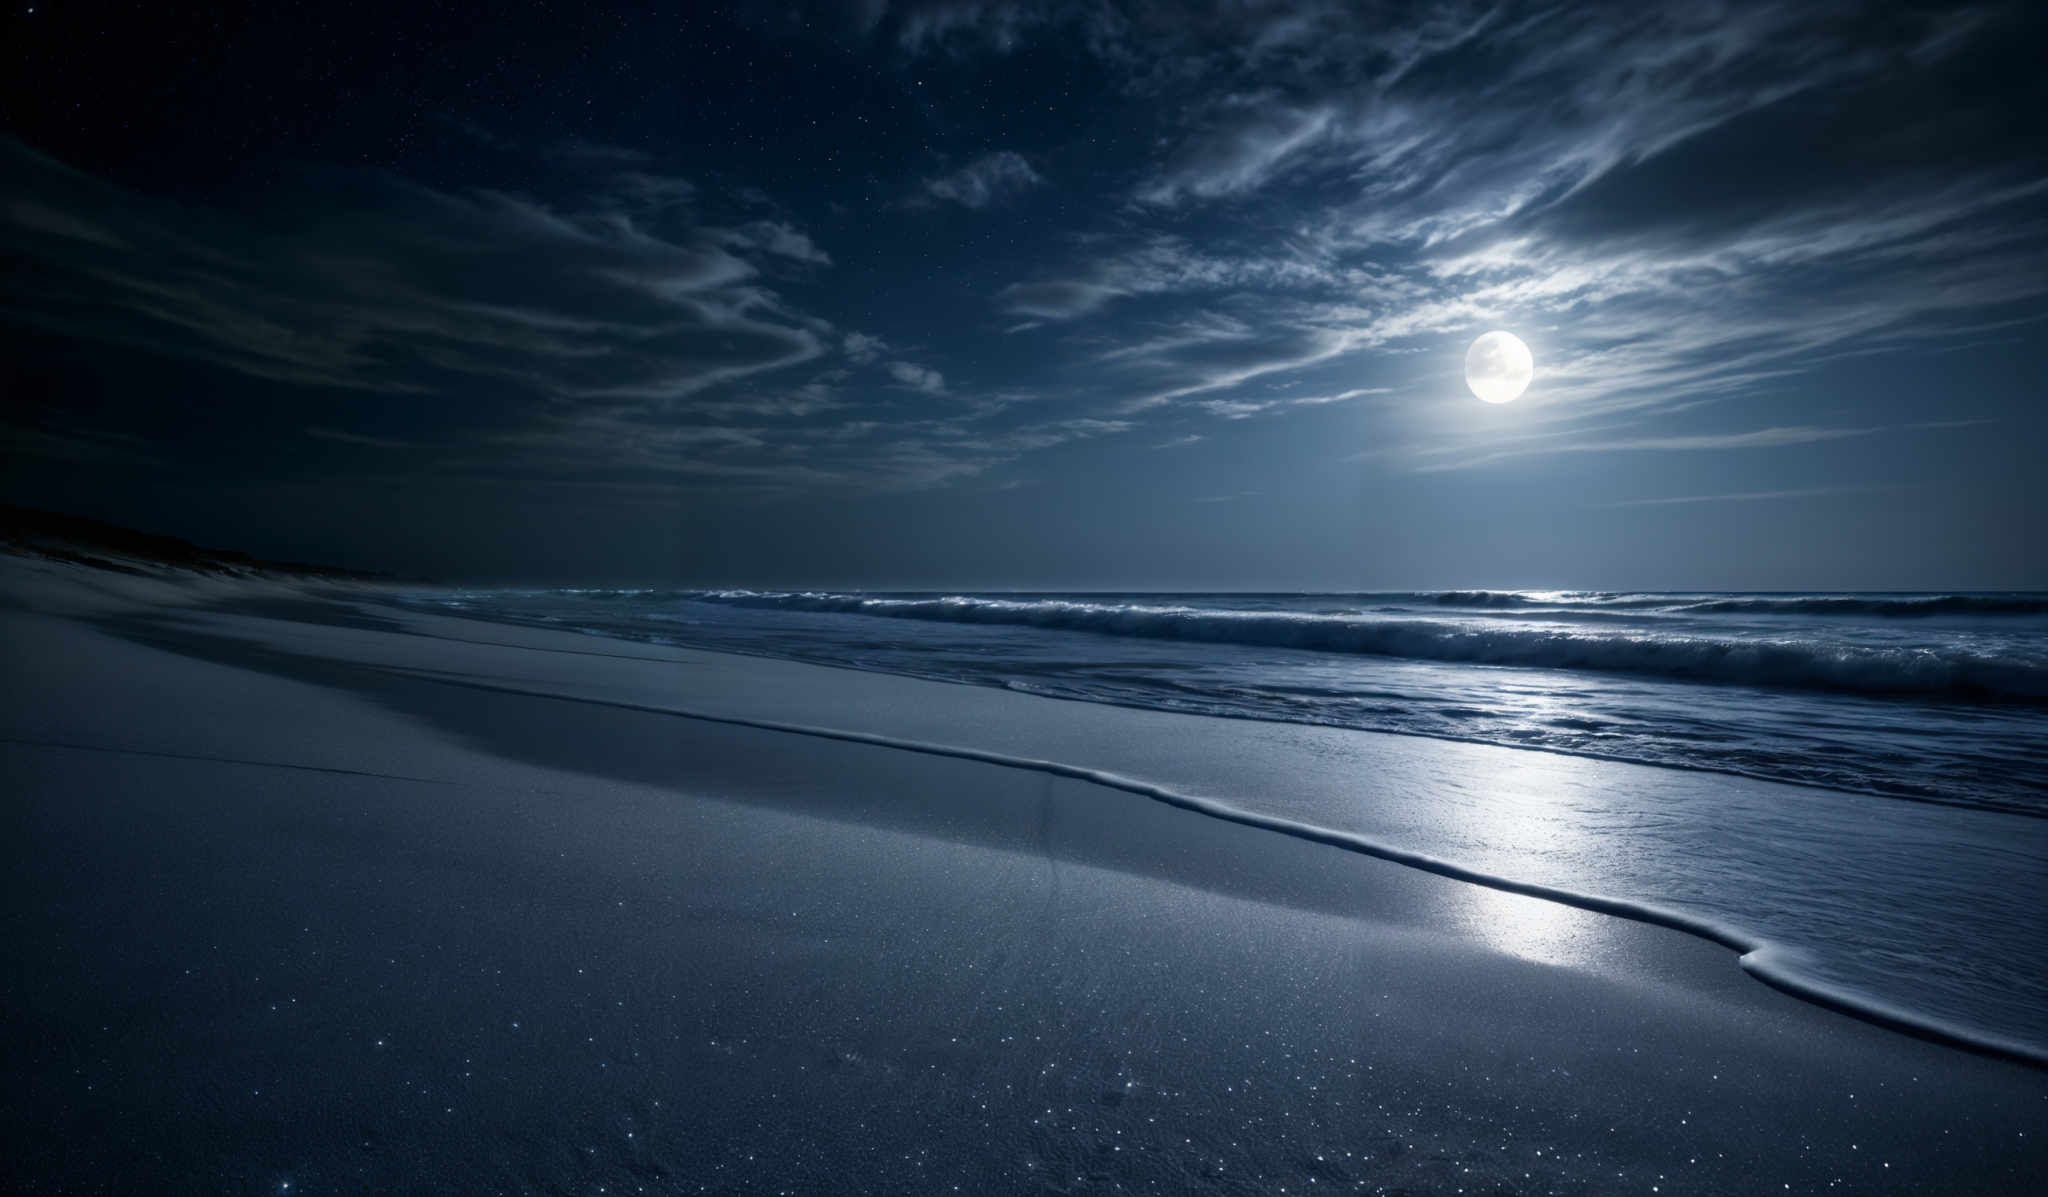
1038,295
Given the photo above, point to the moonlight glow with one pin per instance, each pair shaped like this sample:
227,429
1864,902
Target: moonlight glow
1498,367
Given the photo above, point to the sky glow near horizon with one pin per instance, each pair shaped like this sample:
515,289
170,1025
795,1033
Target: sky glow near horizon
1009,294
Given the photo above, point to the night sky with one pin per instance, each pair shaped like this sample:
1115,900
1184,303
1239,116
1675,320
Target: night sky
1038,295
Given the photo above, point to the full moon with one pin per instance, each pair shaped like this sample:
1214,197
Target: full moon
1498,367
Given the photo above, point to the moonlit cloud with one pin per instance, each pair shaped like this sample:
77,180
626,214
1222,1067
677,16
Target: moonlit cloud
1244,150
1166,265
1477,208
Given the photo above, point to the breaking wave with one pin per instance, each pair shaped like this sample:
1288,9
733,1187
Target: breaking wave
1904,606
1789,662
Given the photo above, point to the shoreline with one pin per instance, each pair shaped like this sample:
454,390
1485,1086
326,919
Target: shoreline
1015,883
1770,962
1773,961
1753,954
1989,807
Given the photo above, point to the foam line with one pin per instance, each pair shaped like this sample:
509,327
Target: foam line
1770,963
1887,605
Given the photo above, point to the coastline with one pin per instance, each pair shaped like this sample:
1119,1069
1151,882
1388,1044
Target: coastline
458,807
1565,827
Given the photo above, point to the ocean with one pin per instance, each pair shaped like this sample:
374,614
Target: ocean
1916,878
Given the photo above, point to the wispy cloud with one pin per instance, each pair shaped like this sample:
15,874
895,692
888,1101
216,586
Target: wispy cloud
345,437
1753,496
863,348
1240,409
1287,208
72,442
399,288
990,179
918,378
1542,445
1488,166
1165,264
1248,145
